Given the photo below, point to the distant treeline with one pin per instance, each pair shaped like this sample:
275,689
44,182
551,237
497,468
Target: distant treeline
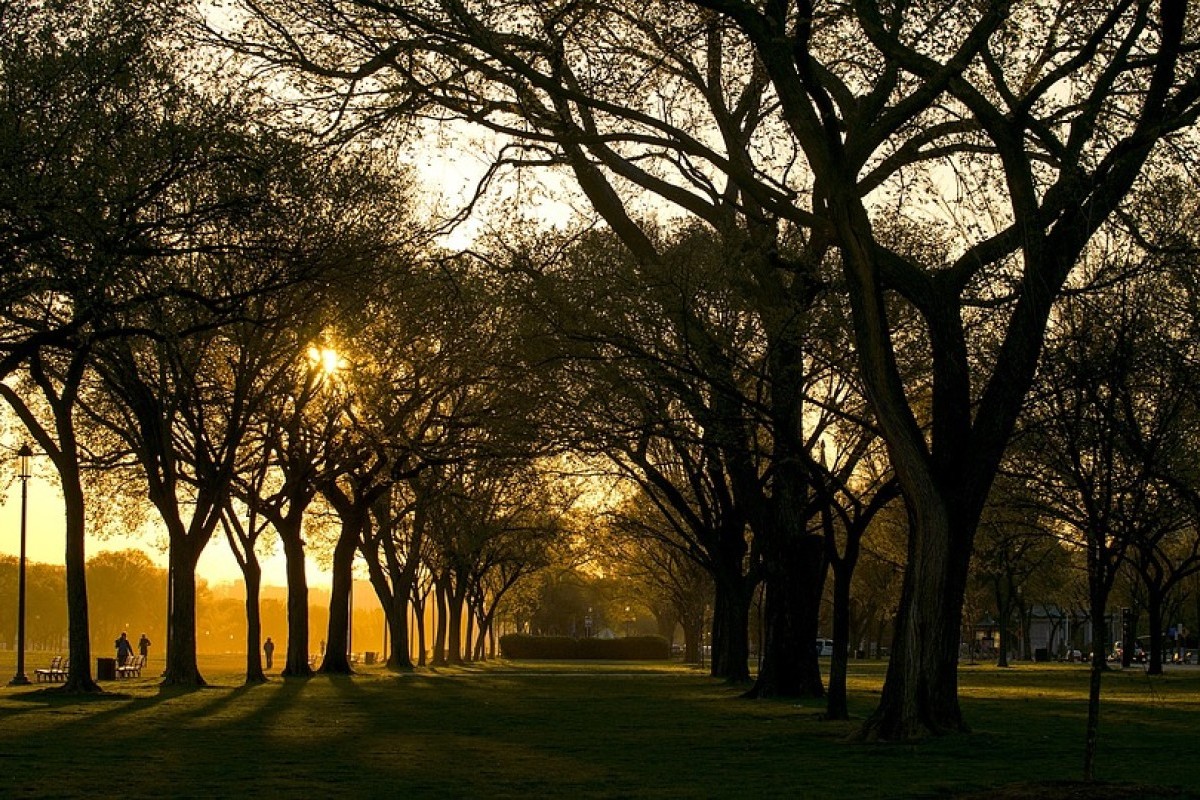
128,592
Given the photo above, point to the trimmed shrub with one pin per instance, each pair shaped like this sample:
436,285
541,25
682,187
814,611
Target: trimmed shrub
519,645
631,648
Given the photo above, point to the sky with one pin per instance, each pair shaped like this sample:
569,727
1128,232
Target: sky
45,536
454,167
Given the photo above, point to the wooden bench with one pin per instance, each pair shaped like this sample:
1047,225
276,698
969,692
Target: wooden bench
57,671
132,668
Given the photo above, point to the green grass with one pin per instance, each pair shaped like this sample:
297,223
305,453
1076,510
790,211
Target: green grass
511,729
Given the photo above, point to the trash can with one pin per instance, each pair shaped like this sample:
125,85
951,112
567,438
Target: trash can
106,669
369,657
1041,654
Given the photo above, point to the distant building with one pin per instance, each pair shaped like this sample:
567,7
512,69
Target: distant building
1057,631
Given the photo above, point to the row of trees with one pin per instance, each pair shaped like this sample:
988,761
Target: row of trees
942,170
828,252
205,311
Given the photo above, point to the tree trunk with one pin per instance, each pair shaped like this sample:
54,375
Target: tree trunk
419,616
1002,614
439,635
398,658
296,665
731,630
253,575
182,669
1154,664
394,599
920,693
1099,646
693,634
1129,627
454,604
835,705
79,670
481,641
468,643
795,577
392,579
337,637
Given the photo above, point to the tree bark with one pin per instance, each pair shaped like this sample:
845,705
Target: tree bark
296,665
394,599
468,636
1129,636
455,600
440,590
1154,609
795,573
398,658
693,635
182,668
79,670
337,634
731,629
1003,612
253,575
836,707
1099,648
920,695
418,607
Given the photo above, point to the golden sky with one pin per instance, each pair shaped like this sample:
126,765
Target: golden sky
44,538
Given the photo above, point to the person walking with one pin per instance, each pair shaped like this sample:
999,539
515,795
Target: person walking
269,651
124,649
143,647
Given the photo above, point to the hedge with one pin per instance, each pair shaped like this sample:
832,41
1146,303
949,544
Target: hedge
560,648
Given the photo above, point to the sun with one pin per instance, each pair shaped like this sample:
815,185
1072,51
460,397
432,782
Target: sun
326,359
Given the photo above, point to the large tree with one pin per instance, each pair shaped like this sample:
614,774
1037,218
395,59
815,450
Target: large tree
112,168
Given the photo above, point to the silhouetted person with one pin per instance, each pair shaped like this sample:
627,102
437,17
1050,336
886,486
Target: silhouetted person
124,649
143,646
268,650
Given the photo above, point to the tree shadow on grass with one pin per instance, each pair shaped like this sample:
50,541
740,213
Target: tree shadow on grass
121,704
1075,790
52,696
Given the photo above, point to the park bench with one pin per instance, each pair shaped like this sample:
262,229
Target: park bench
57,671
132,668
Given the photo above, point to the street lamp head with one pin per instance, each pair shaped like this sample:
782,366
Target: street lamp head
23,456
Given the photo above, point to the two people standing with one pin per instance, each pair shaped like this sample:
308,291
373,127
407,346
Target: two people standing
125,648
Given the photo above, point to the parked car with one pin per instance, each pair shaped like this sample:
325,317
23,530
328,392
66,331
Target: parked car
1139,655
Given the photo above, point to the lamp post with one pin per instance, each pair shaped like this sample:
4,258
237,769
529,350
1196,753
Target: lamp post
350,620
20,678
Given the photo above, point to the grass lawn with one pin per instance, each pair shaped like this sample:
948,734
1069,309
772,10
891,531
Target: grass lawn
533,729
